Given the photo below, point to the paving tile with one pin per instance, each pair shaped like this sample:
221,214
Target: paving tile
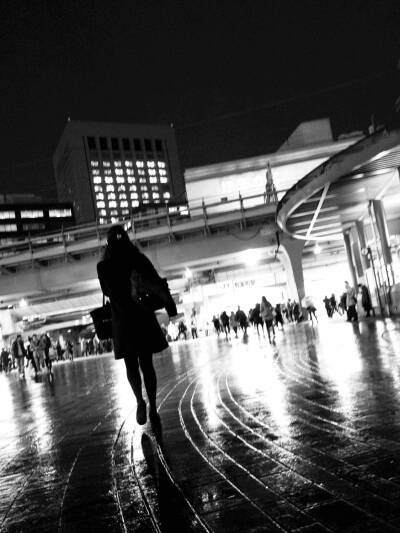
302,441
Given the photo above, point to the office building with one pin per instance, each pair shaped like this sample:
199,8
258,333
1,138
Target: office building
108,170
21,217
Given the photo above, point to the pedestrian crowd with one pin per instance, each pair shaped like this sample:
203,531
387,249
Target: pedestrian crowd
354,302
39,352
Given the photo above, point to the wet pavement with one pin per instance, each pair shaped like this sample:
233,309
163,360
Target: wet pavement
303,436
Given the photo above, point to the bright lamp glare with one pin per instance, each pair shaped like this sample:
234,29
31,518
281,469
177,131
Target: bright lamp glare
188,273
252,257
317,249
23,303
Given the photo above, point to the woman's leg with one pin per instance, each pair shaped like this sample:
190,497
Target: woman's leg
150,380
133,374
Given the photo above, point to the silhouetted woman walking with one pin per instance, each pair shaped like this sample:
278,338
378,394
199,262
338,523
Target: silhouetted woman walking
136,331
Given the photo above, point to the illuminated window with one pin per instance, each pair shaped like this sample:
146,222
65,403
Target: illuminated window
33,226
114,220
117,163
94,163
122,196
131,179
108,180
60,213
164,179
135,203
95,172
141,172
98,188
7,214
102,220
162,172
145,201
150,164
124,204
142,180
156,196
140,164
100,204
128,163
154,188
132,188
107,172
152,172
121,188
8,227
134,196
106,164
119,172
112,204
97,179
111,196
161,164
99,196
103,212
125,211
32,213
129,172
120,179
167,195
143,188
110,188
153,179
114,212
145,195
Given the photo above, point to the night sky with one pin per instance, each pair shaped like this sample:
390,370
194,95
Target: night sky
235,77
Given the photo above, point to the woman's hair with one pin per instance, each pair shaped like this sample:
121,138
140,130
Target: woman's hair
118,243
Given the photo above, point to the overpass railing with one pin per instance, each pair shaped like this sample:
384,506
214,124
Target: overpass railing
142,227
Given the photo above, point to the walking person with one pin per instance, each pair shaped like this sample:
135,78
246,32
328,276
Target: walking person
267,313
311,310
193,327
328,307
351,300
19,353
257,319
224,319
278,316
34,345
123,273
217,325
233,323
365,299
242,320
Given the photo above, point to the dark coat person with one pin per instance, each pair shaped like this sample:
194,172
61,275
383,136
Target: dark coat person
123,273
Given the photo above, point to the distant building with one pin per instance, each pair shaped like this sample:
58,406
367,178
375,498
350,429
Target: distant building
109,169
20,218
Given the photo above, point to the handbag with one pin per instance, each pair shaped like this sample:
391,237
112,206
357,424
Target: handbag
102,320
152,294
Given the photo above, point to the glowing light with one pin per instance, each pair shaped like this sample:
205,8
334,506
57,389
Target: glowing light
317,249
252,257
23,303
188,273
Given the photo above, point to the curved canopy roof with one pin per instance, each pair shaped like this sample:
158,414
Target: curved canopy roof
332,196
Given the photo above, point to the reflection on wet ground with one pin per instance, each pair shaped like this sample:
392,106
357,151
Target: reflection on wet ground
302,436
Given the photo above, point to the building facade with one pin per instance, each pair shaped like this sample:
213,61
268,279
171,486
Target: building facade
107,170
21,220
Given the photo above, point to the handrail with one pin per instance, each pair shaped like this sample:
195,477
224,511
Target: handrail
74,234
